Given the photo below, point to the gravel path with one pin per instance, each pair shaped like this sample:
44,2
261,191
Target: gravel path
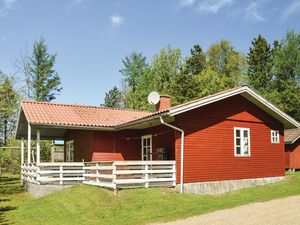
276,212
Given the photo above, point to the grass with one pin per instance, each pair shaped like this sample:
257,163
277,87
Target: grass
85,204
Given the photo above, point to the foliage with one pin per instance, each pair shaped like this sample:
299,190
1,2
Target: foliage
286,74
8,106
227,63
260,63
113,98
45,80
134,66
10,157
84,204
166,66
195,63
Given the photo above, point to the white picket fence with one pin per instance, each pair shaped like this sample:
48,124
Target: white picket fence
113,175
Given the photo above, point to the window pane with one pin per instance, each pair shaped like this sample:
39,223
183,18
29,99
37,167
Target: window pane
246,150
245,133
238,150
246,141
238,142
238,133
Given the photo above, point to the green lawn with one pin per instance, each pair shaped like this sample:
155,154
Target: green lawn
85,204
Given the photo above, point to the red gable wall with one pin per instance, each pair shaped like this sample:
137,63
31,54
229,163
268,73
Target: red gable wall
209,142
293,155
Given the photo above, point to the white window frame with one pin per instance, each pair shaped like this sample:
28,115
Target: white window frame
242,154
275,137
70,151
149,136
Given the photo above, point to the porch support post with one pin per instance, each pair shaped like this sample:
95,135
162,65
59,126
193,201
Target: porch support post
38,149
29,144
22,151
22,159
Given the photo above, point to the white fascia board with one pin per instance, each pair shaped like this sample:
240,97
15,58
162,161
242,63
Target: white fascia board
273,108
179,110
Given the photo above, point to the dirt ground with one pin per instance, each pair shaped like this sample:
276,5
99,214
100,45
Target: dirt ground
276,212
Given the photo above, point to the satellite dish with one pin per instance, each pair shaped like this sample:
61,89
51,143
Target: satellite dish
153,98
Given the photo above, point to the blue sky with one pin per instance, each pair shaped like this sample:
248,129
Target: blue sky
91,37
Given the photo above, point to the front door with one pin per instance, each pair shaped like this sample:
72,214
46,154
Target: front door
147,147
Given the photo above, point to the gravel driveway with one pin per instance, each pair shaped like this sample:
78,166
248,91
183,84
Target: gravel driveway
284,211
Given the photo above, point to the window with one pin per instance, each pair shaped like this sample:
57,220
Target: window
70,151
241,141
147,147
275,136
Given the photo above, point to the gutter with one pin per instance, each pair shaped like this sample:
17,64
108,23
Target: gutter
182,150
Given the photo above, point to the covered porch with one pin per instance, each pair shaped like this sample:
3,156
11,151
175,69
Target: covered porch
137,158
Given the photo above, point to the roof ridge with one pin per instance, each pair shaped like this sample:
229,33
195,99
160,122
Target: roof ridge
83,106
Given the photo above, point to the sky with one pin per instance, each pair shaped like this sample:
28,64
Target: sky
91,37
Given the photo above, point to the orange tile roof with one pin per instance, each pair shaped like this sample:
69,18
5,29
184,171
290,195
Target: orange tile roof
78,115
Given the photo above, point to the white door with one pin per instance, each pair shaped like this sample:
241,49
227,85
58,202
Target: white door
147,147
70,151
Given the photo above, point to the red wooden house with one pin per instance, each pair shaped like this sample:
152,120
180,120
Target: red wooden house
229,140
292,148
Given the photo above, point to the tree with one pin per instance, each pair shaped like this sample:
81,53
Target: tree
260,63
134,66
8,106
113,98
165,67
195,63
287,74
45,80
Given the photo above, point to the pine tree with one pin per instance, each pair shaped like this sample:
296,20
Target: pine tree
45,80
113,98
260,61
8,106
195,63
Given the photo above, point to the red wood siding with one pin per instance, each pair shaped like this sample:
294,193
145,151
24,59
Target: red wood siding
126,142
209,142
293,151
83,144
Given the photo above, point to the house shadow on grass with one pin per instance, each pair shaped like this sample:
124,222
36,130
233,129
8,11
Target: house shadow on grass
4,210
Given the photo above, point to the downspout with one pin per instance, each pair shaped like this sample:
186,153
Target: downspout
182,150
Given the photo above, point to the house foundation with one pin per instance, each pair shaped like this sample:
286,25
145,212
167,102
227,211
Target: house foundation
37,190
220,187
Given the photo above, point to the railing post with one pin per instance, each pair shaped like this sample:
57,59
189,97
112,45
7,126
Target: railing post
97,173
29,144
114,176
61,182
146,168
38,151
174,174
37,174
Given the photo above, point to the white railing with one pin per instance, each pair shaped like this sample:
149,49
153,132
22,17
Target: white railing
113,175
53,173
130,174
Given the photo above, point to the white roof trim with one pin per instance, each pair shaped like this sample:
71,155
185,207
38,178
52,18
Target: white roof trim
221,96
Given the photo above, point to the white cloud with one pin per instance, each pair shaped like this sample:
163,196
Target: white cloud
116,20
186,3
292,8
213,6
6,7
252,12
